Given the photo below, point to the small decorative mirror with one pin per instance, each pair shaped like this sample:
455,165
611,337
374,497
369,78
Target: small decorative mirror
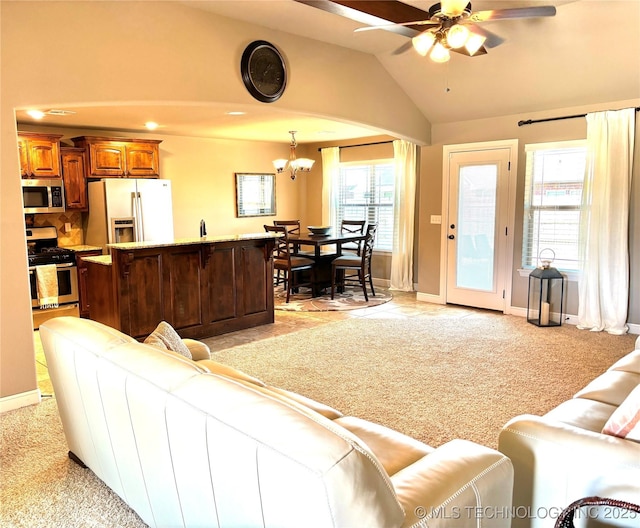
255,194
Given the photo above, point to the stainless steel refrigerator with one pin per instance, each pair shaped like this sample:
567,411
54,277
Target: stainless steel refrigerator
129,210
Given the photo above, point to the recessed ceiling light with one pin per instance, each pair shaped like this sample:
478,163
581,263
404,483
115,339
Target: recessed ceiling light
236,113
36,114
151,125
57,112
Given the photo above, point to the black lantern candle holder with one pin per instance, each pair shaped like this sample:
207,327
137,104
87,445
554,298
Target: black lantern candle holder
546,295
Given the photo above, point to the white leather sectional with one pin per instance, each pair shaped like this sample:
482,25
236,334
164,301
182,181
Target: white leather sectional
563,456
197,444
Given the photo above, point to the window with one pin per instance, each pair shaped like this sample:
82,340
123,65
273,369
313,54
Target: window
364,191
552,202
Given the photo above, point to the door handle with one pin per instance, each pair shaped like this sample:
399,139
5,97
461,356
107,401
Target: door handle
451,237
453,226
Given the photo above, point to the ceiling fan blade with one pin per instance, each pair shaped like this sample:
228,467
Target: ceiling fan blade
463,51
404,48
388,26
372,13
492,41
453,8
518,12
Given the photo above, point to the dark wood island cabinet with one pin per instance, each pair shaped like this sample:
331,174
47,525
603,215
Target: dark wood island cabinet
202,287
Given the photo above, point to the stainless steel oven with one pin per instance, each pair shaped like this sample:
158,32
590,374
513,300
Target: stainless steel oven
42,244
67,284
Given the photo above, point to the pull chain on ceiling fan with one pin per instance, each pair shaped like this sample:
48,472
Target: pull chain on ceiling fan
452,27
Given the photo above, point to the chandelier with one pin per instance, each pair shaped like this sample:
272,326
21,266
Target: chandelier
293,164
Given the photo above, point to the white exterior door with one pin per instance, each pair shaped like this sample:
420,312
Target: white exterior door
478,224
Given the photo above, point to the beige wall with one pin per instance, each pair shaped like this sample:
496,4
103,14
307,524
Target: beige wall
202,173
504,128
64,54
72,53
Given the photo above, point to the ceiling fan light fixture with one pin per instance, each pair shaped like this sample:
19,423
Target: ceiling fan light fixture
474,43
422,43
454,8
439,53
457,36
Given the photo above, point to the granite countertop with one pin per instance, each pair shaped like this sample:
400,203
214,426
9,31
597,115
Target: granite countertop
104,260
83,247
194,240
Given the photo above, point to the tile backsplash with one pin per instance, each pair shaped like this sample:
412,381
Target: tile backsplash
73,237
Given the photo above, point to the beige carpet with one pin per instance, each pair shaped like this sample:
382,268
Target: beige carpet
435,377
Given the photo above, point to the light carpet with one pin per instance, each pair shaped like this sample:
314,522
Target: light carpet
434,377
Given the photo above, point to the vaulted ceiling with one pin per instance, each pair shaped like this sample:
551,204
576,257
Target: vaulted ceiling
588,53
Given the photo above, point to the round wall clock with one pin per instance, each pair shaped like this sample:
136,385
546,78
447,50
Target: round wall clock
263,71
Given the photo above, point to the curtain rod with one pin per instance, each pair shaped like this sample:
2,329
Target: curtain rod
363,144
532,121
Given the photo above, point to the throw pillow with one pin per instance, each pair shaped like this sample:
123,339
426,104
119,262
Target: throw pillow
165,336
153,339
625,420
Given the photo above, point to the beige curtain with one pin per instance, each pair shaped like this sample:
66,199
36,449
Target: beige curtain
404,154
603,290
330,173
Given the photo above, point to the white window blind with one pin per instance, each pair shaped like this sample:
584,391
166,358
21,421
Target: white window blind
552,202
364,191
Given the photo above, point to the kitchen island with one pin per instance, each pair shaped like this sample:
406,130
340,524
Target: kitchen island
201,286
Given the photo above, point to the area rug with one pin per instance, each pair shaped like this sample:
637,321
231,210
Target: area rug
350,299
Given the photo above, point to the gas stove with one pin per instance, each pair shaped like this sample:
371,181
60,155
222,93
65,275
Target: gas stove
42,244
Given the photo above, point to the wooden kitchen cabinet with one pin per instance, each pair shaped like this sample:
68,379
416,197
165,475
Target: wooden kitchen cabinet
83,287
73,176
39,155
120,157
201,289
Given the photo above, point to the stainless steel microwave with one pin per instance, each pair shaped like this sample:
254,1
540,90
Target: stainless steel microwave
43,195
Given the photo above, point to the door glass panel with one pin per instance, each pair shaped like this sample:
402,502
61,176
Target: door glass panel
477,190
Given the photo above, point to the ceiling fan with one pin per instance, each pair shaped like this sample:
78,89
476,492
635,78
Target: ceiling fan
452,26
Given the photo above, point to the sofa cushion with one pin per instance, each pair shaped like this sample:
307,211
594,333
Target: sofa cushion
625,421
198,349
611,387
225,370
164,336
628,363
394,450
583,413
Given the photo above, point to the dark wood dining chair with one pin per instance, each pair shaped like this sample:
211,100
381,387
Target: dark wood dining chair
354,268
285,262
353,227
293,226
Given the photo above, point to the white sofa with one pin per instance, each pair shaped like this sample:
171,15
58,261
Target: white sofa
564,456
195,443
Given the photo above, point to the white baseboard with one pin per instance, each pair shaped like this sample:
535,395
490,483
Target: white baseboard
428,297
571,319
382,283
15,401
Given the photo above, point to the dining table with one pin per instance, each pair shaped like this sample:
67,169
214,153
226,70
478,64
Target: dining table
323,249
